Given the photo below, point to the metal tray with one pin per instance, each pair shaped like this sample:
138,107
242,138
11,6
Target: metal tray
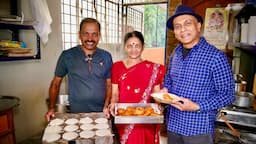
138,119
93,140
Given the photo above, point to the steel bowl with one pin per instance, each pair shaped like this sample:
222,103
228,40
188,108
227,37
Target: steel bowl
244,99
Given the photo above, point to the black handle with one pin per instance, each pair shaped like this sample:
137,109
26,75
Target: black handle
180,101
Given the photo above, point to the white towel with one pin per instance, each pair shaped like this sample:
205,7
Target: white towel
43,20
252,30
244,33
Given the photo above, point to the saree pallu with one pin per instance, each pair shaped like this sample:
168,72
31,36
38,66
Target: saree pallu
135,86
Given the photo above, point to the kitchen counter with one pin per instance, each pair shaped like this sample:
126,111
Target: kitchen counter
8,102
7,131
223,134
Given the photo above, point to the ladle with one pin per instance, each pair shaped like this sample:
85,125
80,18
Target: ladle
234,131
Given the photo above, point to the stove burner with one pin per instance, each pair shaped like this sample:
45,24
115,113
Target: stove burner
225,136
226,142
238,116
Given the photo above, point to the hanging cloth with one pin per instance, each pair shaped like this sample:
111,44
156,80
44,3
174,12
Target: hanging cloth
42,17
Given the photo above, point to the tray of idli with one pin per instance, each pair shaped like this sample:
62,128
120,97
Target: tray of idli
82,128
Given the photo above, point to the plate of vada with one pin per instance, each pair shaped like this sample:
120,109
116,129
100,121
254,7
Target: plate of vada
164,97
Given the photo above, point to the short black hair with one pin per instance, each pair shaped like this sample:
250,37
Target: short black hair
137,34
89,20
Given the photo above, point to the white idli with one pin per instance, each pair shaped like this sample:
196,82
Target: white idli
87,134
85,120
56,121
103,132
71,121
87,126
53,129
69,136
51,137
70,128
101,126
101,120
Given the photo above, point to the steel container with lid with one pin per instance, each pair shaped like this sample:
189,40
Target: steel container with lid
240,83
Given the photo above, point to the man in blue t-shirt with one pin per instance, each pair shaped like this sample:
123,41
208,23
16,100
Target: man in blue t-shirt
88,69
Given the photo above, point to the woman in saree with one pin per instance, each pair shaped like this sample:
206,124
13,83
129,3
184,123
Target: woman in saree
133,80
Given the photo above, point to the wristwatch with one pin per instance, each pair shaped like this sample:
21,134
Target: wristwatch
198,110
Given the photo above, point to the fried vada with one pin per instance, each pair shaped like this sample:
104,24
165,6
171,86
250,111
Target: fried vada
120,111
139,111
166,96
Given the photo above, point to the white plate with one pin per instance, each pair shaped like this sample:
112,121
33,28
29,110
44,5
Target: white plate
159,96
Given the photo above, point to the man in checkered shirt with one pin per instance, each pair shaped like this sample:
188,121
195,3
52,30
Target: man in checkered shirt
201,76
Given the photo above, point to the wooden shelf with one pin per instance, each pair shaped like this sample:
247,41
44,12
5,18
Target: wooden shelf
15,27
246,47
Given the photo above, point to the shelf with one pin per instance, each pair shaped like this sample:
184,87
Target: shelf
15,27
12,26
246,47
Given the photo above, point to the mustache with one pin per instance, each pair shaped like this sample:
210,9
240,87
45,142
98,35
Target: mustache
89,41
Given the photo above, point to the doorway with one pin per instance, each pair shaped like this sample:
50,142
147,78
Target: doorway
149,18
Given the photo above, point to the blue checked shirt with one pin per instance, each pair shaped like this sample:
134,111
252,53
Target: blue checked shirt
205,77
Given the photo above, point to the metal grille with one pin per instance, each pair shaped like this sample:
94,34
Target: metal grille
108,13
133,19
116,17
69,23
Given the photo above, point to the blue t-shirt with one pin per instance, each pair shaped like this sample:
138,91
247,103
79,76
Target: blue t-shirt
86,78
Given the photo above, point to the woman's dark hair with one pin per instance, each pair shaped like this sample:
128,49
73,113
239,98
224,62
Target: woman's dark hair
89,20
134,34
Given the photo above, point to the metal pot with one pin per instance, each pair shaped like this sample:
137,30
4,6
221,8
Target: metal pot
244,99
63,99
240,86
62,104
248,138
